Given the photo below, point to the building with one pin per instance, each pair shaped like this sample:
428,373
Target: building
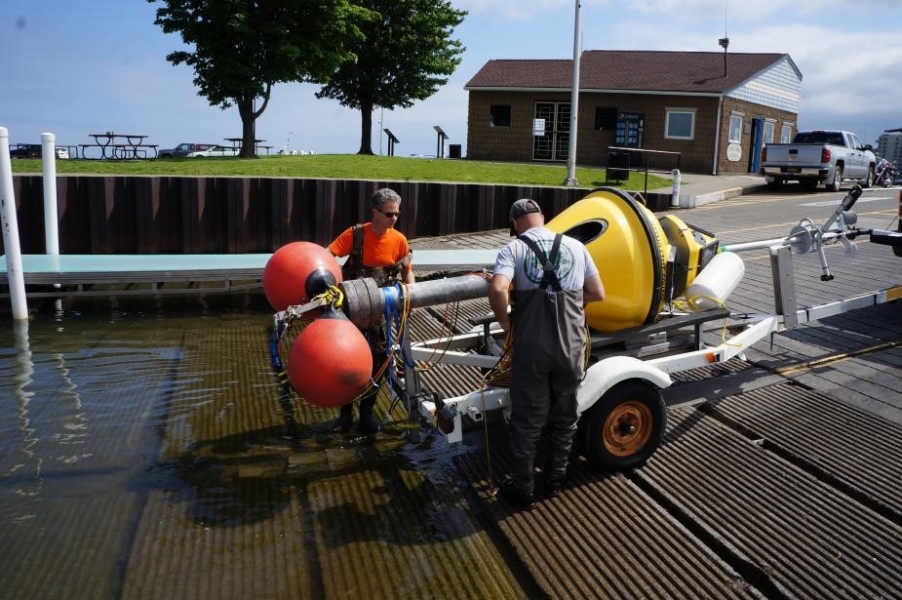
713,110
889,145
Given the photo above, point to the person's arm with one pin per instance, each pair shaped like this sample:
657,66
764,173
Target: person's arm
593,290
341,246
499,298
408,275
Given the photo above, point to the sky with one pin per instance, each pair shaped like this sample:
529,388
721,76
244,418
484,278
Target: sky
73,68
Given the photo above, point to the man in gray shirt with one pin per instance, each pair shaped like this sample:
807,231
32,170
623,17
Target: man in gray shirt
553,278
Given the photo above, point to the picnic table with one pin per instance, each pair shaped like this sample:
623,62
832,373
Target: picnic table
120,145
237,141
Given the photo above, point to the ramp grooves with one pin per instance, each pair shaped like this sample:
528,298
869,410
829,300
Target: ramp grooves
604,537
802,534
828,447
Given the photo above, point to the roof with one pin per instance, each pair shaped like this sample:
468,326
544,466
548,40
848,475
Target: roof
630,70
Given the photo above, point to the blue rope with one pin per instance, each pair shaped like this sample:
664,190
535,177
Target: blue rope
274,357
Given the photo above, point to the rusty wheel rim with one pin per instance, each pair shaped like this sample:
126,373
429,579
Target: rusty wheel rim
628,428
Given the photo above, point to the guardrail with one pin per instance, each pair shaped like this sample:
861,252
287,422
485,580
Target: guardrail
623,163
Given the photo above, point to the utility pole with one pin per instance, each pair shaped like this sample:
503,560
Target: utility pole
574,104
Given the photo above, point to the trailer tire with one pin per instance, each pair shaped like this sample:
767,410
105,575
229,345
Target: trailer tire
624,427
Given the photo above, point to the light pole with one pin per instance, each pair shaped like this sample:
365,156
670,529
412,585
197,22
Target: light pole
574,105
381,116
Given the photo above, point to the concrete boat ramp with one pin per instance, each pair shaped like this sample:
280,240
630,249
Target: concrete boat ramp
779,476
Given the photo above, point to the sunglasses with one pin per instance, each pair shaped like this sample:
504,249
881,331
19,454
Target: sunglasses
391,215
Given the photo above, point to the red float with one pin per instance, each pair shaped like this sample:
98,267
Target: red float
330,363
297,272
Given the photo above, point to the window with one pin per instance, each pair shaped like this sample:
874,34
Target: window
735,128
786,133
768,134
605,118
500,115
680,124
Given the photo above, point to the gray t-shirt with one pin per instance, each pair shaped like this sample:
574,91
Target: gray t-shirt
521,266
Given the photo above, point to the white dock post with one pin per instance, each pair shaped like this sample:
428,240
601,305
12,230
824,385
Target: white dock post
11,231
675,196
51,220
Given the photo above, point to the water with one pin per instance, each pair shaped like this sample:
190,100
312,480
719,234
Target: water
148,451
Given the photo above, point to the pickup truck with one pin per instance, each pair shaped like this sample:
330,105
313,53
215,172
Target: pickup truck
814,157
184,149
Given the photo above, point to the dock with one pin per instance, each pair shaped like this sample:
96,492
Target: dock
113,275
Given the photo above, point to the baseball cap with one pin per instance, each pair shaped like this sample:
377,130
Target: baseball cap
524,206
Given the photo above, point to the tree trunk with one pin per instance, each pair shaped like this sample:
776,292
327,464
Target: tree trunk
248,126
366,129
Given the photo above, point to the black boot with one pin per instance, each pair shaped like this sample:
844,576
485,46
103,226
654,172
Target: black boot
343,423
368,422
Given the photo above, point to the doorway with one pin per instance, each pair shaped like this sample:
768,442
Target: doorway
551,141
756,144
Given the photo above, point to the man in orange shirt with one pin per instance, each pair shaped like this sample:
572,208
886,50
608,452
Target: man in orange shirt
378,250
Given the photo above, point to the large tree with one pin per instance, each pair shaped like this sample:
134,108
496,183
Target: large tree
407,54
241,48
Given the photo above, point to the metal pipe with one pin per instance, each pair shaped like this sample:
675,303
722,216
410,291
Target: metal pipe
574,104
787,241
365,302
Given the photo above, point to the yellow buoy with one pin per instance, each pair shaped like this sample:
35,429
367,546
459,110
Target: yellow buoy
629,247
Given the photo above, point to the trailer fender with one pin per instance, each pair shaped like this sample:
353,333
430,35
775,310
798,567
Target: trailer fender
608,372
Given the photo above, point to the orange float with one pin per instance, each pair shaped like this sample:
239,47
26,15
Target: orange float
330,363
297,272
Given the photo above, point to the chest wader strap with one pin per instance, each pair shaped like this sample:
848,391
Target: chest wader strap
353,267
549,277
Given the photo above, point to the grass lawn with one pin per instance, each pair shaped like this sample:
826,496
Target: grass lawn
348,166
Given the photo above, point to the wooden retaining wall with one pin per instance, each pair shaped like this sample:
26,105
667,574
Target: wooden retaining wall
173,215
168,215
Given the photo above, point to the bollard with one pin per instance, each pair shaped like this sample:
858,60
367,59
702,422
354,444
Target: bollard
11,231
51,222
675,199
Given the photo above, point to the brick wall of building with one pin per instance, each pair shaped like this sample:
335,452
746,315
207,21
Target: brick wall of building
749,112
515,142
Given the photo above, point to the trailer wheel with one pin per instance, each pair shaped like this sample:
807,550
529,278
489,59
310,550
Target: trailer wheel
624,428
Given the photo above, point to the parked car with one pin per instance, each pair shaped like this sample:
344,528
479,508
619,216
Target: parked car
25,151
35,151
184,149
214,151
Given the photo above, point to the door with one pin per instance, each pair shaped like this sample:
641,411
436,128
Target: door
552,141
858,159
756,144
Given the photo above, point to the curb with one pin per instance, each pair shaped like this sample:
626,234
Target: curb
690,201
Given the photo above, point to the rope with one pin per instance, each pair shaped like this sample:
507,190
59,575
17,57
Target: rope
693,303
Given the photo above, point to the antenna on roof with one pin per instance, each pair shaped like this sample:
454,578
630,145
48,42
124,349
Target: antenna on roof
724,42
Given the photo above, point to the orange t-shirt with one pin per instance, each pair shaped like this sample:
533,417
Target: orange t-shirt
378,251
